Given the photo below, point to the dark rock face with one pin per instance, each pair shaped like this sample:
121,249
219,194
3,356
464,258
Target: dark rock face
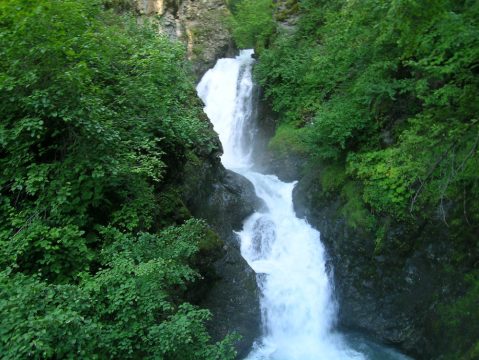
231,199
391,296
224,199
286,166
234,299
264,120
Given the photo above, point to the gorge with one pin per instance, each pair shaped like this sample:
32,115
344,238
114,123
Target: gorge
163,198
298,310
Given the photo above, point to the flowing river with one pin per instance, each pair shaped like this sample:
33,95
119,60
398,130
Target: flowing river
298,310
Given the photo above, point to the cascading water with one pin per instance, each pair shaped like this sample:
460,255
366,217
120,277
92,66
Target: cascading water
297,307
226,91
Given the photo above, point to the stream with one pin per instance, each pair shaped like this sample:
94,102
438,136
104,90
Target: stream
297,302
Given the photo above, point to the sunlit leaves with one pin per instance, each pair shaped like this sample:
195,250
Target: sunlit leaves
130,308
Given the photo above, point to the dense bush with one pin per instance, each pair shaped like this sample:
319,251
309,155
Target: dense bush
390,90
253,22
128,309
97,113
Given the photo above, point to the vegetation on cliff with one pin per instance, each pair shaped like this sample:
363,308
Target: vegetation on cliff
381,98
98,115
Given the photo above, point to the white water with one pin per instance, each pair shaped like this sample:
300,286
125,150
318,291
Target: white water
296,298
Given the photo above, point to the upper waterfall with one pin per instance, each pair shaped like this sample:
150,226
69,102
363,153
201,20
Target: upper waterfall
226,91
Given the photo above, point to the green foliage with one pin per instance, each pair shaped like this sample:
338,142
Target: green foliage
354,210
288,138
280,71
57,253
128,309
119,5
97,116
253,23
459,318
171,207
44,321
332,178
91,119
391,86
387,183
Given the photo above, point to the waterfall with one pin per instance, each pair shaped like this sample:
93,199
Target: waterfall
298,310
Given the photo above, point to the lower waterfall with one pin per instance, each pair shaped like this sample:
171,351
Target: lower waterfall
298,310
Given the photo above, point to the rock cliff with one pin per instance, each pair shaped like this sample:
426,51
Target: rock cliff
392,294
200,24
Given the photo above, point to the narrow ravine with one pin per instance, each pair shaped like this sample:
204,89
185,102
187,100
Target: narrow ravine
298,310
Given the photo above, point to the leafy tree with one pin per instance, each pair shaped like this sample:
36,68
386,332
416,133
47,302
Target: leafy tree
368,80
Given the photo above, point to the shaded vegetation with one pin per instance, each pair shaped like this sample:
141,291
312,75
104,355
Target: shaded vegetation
97,116
383,97
253,22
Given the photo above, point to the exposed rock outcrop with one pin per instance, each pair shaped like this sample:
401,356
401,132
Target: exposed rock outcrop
200,24
391,295
224,199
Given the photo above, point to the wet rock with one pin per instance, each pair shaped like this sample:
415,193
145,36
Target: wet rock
224,199
391,295
234,299
288,165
